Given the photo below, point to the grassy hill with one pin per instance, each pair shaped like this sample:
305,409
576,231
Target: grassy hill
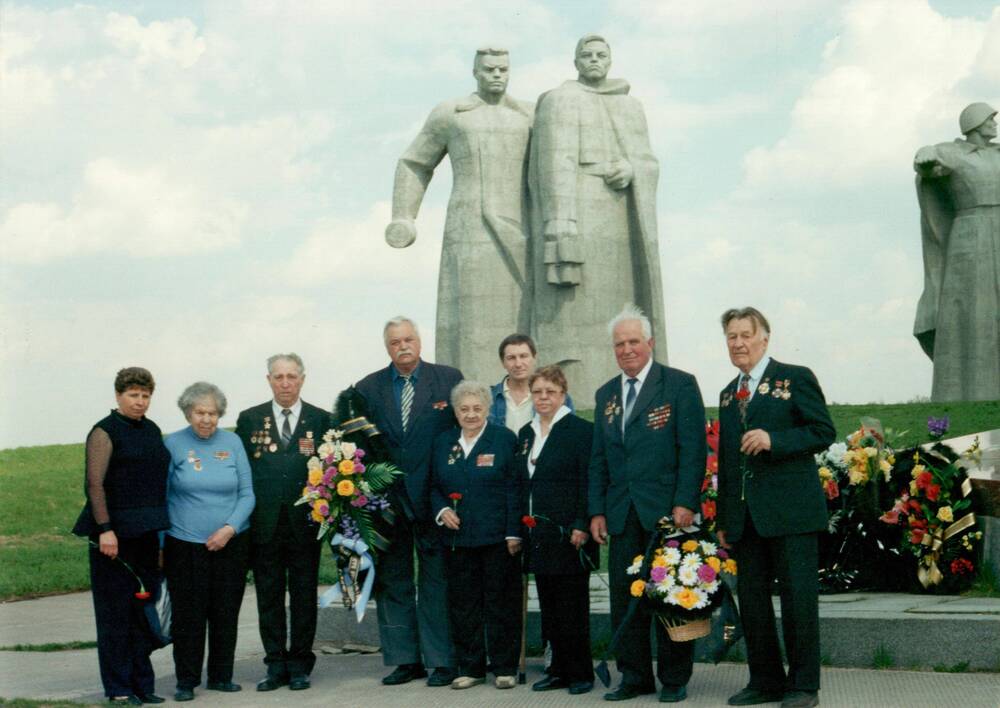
41,493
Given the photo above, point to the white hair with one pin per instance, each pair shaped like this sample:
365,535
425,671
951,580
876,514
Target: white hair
199,391
395,322
470,388
291,356
629,313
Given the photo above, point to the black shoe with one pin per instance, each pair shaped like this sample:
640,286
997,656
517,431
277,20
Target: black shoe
150,698
800,699
441,676
625,692
752,697
183,694
549,683
125,701
404,674
673,694
299,683
271,683
578,688
224,686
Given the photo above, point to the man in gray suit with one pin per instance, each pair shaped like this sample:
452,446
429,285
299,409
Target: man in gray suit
647,462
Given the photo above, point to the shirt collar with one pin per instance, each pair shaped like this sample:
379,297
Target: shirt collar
758,371
536,421
295,408
641,376
468,447
414,375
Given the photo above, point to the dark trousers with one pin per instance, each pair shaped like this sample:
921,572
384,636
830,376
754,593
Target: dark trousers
484,608
793,561
206,590
123,640
287,562
565,604
674,660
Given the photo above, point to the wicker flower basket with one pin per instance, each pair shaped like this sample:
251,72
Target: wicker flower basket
687,631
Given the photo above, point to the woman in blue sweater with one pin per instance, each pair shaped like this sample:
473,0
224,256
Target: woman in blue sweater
209,499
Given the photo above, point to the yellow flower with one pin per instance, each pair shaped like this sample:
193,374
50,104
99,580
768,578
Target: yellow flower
944,513
891,458
729,566
825,473
345,487
885,466
659,562
913,488
857,476
917,469
305,491
316,516
689,546
714,562
315,476
637,588
871,451
637,559
687,598
346,467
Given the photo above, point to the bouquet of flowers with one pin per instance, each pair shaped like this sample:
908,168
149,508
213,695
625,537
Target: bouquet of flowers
933,515
681,580
710,484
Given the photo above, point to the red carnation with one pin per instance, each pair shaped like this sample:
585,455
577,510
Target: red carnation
933,491
708,509
961,566
529,521
455,496
832,489
143,595
923,480
743,394
916,536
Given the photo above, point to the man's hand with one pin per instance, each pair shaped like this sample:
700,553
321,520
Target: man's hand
513,546
755,442
218,540
450,519
620,176
599,528
721,535
108,544
578,538
683,516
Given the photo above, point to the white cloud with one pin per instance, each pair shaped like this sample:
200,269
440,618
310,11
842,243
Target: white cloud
176,42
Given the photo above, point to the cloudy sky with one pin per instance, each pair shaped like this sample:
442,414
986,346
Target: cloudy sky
192,186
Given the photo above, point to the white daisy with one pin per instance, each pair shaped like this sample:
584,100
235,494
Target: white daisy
691,560
709,548
688,576
672,556
702,599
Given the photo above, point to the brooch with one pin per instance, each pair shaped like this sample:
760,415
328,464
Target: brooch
727,398
455,454
195,461
764,388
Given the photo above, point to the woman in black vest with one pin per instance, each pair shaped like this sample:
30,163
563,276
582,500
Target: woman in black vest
126,482
553,453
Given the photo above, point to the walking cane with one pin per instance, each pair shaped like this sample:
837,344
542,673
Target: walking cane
523,665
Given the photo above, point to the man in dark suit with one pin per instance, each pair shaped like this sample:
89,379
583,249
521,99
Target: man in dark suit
409,403
773,419
647,462
279,437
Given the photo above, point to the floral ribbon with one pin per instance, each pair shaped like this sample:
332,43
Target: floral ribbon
928,573
346,588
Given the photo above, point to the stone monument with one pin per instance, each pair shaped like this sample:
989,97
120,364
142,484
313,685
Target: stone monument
958,316
483,285
592,178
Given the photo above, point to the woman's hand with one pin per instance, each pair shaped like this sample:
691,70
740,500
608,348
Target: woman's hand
578,538
450,519
218,540
513,546
108,544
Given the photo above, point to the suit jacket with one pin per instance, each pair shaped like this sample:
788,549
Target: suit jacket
280,474
659,461
782,490
430,415
557,491
490,507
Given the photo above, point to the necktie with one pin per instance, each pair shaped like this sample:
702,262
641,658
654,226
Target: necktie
406,402
629,400
286,427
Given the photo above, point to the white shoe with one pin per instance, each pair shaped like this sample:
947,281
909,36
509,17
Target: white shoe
467,682
505,682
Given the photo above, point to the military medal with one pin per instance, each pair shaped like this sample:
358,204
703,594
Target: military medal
272,447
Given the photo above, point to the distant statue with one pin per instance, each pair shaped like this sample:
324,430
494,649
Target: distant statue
958,316
483,289
592,179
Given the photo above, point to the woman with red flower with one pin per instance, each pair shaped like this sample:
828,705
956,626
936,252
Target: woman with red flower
126,484
553,457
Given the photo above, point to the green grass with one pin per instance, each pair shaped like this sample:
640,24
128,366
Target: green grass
882,658
959,668
986,584
44,703
60,646
41,493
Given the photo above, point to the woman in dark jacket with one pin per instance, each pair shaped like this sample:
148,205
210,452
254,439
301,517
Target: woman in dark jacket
126,482
553,453
476,494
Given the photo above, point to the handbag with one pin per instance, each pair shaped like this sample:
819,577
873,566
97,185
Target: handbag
158,617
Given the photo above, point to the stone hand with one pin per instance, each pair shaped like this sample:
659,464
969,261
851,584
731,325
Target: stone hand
400,233
620,176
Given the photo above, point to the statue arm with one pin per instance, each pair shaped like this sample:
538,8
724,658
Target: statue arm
413,173
930,162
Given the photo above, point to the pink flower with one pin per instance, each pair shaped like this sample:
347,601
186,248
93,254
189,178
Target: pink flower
890,517
359,501
359,453
706,573
328,476
657,574
358,468
721,553
672,543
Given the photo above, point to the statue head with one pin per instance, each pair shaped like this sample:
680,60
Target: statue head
592,59
974,115
491,68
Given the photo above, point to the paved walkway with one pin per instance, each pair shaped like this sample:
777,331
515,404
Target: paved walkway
352,679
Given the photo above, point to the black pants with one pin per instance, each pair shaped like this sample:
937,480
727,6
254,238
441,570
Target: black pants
793,561
206,588
123,640
484,607
565,604
674,660
286,561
